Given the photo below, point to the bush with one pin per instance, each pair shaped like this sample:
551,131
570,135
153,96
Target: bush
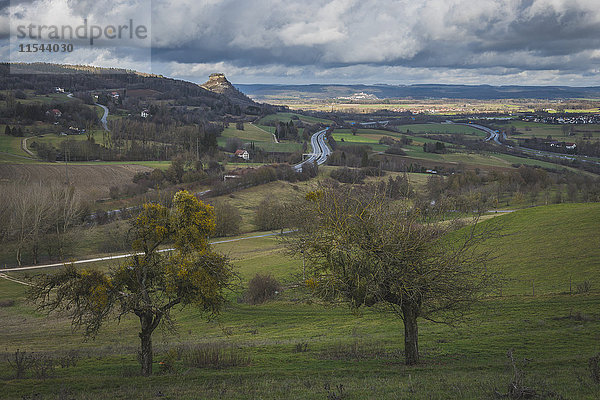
261,288
211,355
347,175
228,219
7,303
232,144
270,215
396,149
584,287
372,171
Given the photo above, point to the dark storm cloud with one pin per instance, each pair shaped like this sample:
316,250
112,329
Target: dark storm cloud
456,33
351,38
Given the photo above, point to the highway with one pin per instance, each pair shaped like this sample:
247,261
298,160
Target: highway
320,150
495,137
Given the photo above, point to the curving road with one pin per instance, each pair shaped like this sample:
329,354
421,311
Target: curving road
104,117
320,150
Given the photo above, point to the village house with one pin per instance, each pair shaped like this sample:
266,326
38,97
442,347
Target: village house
242,154
55,112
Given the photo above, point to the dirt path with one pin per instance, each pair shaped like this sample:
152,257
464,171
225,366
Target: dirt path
258,127
24,147
91,260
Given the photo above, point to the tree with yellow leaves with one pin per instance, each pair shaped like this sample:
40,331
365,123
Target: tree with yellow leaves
150,283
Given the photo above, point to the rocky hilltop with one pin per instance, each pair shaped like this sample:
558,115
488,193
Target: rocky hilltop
218,83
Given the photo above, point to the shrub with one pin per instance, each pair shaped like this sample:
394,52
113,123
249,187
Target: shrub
347,175
228,219
395,149
584,287
301,347
270,215
261,288
7,303
211,355
20,362
372,171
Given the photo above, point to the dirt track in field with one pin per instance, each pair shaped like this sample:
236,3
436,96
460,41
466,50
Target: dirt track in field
91,181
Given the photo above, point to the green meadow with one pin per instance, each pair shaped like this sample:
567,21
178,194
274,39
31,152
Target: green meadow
298,347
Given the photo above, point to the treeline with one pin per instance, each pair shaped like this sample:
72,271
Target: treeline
262,175
470,190
590,148
437,147
161,141
14,131
37,219
73,113
547,145
294,129
136,140
349,155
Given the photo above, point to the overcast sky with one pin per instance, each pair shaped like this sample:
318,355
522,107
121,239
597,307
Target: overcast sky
497,42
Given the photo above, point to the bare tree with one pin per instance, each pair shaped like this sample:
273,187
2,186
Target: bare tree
33,212
366,250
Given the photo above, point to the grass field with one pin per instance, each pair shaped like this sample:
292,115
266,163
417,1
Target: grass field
56,139
441,129
549,246
47,99
261,136
11,144
286,117
534,129
415,150
362,351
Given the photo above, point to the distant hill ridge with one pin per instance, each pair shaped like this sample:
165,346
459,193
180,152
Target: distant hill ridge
217,94
421,91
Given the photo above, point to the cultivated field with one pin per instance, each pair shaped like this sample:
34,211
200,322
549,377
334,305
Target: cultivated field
92,181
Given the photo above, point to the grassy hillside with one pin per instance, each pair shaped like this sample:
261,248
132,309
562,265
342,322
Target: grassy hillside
362,351
548,246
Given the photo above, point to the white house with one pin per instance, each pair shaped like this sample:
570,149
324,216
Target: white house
243,154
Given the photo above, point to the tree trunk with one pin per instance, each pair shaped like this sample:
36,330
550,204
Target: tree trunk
146,344
146,354
410,313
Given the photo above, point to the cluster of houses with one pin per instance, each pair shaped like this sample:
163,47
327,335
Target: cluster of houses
574,120
73,131
559,145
